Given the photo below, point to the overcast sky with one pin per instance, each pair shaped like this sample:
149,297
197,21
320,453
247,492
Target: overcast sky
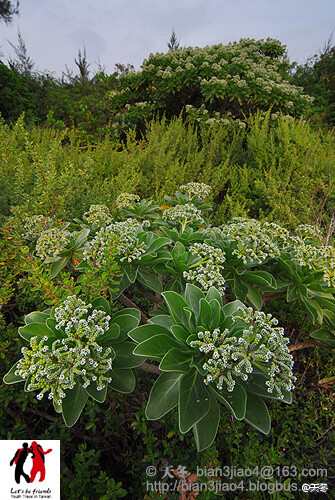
127,31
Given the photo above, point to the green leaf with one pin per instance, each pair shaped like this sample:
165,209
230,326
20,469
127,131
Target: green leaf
180,333
36,317
126,322
239,290
257,414
193,294
102,304
125,357
150,280
261,278
35,330
324,336
213,293
176,361
231,308
256,385
194,400
145,332
131,272
205,313
313,309
254,298
10,377
176,305
73,404
156,347
92,391
235,401
57,266
122,380
205,430
163,395
163,320
81,237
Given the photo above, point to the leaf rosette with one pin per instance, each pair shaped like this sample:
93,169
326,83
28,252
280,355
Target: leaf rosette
211,353
75,351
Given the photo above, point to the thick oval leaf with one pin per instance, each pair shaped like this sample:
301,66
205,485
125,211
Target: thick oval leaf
10,377
324,336
213,293
122,381
176,361
92,391
163,320
35,330
262,278
257,385
193,294
126,323
163,395
205,312
231,308
124,357
156,347
257,414
254,298
150,280
102,304
56,267
194,400
180,333
145,332
73,404
36,317
205,430
176,305
235,401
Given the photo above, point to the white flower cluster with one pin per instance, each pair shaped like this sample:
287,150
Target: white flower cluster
206,271
97,214
256,241
125,200
308,232
196,189
261,345
51,242
182,214
35,225
59,365
317,258
121,235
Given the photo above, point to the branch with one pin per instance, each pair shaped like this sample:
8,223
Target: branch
150,368
129,303
310,343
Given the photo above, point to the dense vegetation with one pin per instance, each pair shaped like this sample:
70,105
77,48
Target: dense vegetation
234,118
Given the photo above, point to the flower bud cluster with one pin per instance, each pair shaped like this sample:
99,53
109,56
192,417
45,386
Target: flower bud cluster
317,258
308,232
123,235
57,365
256,241
196,189
98,214
261,344
207,270
125,200
182,214
51,242
35,225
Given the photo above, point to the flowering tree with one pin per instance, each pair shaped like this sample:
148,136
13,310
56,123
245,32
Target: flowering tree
206,338
218,83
